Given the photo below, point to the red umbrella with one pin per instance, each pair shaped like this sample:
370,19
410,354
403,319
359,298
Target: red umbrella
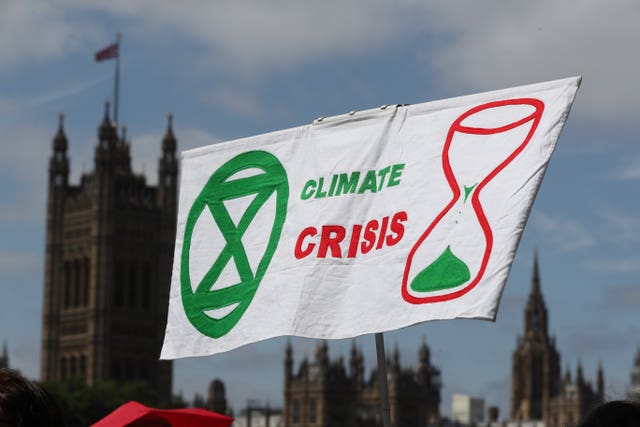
134,414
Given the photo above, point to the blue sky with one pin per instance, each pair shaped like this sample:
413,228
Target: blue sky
230,69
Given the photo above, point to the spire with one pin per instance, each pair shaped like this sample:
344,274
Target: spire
567,376
60,140
396,357
579,375
106,131
535,279
4,359
424,352
600,380
169,140
322,353
123,139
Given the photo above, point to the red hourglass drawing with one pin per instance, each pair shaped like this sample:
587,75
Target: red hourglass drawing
451,256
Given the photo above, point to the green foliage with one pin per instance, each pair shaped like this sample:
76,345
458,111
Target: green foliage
83,405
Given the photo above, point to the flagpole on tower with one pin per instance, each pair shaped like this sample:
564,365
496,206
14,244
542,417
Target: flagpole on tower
116,85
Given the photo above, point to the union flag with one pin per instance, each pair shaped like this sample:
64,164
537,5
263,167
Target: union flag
107,53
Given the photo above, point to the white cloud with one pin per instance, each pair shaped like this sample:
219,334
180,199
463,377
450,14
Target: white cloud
24,173
254,35
629,172
567,235
618,265
624,227
38,30
493,44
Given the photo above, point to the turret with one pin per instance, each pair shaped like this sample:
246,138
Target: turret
567,376
579,376
168,169
395,364
4,359
288,362
536,310
105,152
59,162
600,381
424,363
322,354
356,364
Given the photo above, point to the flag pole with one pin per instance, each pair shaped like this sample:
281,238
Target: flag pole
116,85
382,380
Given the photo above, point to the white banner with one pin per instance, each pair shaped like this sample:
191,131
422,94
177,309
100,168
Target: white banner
361,223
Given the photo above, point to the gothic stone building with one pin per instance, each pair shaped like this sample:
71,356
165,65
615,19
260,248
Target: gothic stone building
537,390
323,393
109,251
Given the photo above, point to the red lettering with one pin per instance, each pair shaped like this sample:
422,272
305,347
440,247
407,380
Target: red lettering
331,237
307,232
383,232
369,236
397,228
355,238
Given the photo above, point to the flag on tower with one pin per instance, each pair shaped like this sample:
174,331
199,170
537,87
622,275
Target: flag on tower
108,52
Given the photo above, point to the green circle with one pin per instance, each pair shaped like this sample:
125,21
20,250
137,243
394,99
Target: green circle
218,189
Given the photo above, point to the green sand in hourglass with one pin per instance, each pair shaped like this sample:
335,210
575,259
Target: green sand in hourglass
448,271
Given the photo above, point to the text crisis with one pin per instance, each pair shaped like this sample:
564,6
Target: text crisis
330,240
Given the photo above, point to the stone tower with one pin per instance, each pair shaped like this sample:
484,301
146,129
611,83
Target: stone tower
535,362
109,251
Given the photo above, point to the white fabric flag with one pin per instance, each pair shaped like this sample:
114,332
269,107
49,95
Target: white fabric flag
361,223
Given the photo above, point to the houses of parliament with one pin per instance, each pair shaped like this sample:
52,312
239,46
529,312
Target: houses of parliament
109,249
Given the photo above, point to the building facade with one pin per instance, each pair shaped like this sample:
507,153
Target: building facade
538,391
109,251
575,399
467,410
324,393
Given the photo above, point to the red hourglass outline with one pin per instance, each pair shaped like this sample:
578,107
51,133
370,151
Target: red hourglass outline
475,201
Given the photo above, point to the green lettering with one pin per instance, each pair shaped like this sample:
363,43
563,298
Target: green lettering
382,173
306,194
396,171
347,184
320,194
332,187
369,182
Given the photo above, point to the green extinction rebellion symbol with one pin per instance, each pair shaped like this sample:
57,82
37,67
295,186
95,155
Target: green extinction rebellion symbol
272,181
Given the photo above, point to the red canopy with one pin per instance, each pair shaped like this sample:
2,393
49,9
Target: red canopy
134,414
